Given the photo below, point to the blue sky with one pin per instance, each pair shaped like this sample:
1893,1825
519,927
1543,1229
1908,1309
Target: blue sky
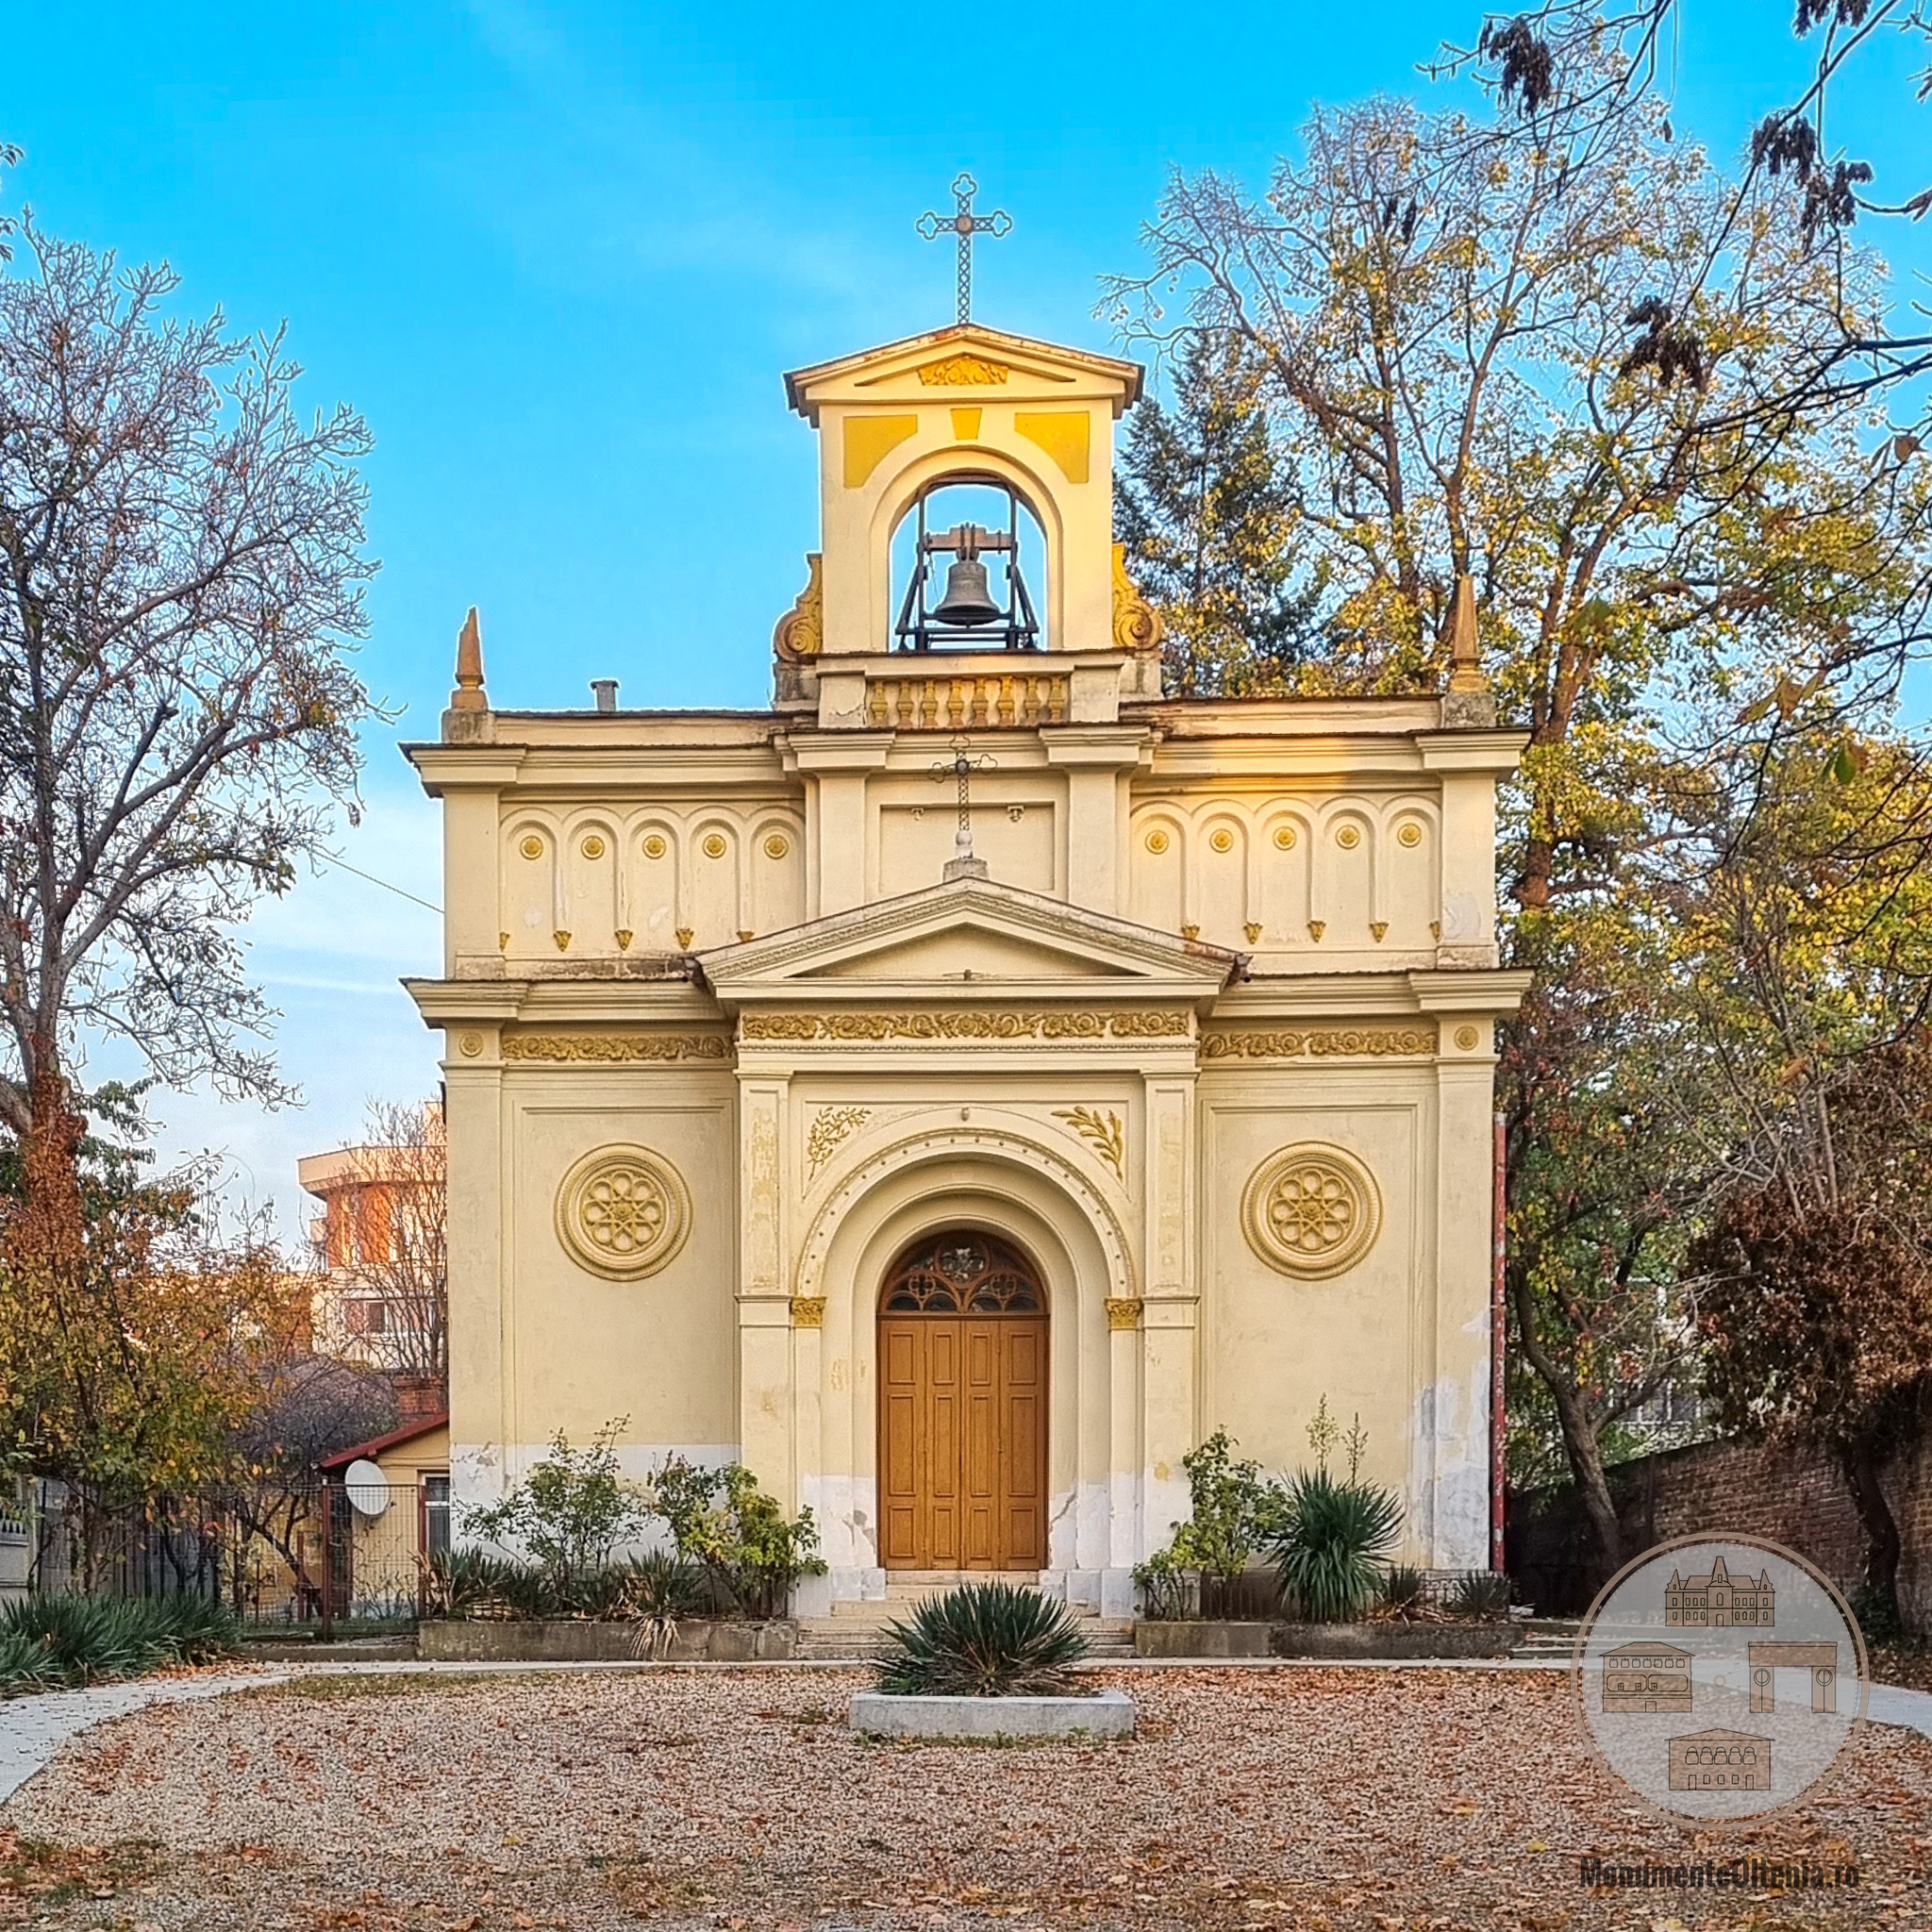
559,257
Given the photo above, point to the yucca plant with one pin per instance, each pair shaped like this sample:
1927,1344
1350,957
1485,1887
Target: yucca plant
465,1583
1481,1594
983,1640
26,1665
1331,1551
196,1630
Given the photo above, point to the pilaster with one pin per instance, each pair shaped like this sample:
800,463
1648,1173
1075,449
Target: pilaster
839,822
765,1388
1096,760
482,1328
1169,1407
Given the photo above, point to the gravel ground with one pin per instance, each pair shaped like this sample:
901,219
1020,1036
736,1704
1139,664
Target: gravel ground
1329,1800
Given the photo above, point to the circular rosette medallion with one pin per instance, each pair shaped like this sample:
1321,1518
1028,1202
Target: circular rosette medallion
1312,1210
623,1212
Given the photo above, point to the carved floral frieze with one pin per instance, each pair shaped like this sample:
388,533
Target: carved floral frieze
995,1024
576,1047
1318,1043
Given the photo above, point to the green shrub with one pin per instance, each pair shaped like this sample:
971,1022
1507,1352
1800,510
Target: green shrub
1329,1552
1480,1594
1233,1513
1167,1590
570,1513
983,1640
722,1522
1877,1613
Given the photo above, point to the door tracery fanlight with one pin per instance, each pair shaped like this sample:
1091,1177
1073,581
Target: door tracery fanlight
961,1272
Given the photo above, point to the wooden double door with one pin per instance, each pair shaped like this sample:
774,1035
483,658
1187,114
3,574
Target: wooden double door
962,1407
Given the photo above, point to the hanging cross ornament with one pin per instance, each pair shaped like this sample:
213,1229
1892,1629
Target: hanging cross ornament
960,768
963,224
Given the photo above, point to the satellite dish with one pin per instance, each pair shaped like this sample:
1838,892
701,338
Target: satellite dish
367,1486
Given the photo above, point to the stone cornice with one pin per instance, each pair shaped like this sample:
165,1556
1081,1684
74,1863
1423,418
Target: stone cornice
1479,991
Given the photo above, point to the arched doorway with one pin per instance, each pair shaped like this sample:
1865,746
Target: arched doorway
962,1407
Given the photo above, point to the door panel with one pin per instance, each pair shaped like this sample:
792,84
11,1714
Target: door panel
962,1453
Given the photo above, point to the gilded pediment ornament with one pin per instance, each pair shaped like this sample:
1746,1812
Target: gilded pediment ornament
962,371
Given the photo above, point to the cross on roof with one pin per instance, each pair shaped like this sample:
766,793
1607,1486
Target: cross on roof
960,768
963,224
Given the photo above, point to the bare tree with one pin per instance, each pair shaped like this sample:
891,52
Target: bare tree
309,1406
1573,70
385,1245
181,573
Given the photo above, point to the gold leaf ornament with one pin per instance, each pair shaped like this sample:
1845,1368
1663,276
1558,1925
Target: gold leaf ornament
1104,1132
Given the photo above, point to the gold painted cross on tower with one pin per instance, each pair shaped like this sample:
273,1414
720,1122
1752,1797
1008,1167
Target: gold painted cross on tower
963,224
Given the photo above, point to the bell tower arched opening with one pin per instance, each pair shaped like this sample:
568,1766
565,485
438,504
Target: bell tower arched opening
967,561
962,1355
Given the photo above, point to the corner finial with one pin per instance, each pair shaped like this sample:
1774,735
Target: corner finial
1465,663
1469,701
468,695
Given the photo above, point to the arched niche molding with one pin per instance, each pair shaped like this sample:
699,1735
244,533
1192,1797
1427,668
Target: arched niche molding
1006,1182
965,462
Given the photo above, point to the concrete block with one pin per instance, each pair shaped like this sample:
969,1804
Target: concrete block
1201,1639
1108,1715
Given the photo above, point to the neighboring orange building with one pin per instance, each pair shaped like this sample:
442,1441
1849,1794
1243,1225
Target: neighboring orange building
1718,1601
382,1296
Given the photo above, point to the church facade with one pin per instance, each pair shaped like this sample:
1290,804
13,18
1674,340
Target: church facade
960,1088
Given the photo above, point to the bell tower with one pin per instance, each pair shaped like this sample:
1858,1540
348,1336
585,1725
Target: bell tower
1029,428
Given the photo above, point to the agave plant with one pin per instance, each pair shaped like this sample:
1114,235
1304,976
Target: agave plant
1402,1587
1330,1550
1481,1594
983,1640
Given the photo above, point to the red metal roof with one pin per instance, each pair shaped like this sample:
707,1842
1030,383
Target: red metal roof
408,1433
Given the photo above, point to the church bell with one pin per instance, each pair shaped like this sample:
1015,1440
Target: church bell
967,600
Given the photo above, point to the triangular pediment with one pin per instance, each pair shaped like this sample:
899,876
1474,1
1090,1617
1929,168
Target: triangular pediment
967,937
968,358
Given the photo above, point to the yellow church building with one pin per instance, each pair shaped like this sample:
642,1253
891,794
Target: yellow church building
958,1088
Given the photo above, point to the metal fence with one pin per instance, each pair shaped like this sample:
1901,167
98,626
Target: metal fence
315,1554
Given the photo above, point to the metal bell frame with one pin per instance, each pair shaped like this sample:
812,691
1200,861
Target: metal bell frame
1015,628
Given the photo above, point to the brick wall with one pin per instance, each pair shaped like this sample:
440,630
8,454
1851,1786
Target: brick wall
1787,1493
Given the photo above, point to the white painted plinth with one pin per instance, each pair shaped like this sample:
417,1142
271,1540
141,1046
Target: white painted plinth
1108,1715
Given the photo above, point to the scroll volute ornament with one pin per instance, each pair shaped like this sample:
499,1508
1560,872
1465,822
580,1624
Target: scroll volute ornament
801,632
1136,622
